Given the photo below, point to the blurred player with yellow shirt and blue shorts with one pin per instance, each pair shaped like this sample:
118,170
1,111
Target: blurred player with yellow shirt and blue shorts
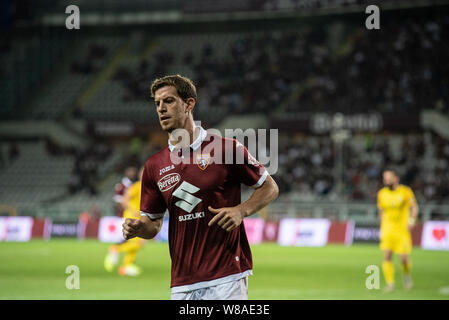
398,211
131,204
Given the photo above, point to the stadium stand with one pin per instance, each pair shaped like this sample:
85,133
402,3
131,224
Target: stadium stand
308,166
231,71
87,60
27,59
34,175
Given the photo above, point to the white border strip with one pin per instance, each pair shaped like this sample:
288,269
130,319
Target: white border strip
152,216
262,179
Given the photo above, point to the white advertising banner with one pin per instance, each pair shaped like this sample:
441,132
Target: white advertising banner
15,228
303,232
110,229
2,228
435,235
162,236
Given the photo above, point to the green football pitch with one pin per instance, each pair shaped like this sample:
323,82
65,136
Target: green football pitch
37,270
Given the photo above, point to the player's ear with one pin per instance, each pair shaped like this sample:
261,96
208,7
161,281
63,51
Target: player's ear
190,104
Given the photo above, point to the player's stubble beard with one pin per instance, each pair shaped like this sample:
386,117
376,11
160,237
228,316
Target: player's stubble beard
177,124
180,121
169,128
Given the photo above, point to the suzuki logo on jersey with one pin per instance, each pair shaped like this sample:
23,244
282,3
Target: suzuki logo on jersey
167,168
185,192
169,181
202,160
191,216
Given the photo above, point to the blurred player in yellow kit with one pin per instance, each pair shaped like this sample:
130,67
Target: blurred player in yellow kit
398,212
131,204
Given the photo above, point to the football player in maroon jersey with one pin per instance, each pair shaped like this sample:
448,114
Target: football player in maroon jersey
210,253
120,188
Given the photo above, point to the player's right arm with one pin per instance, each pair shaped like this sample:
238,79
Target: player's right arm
145,228
379,207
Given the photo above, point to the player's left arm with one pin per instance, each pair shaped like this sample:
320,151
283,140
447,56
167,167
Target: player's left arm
414,210
229,218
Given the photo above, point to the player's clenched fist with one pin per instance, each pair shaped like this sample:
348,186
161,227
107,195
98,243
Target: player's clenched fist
131,228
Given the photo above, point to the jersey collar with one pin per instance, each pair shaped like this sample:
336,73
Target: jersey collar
127,182
195,144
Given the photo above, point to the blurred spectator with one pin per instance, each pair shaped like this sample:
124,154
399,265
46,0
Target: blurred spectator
86,163
14,152
89,62
52,148
2,159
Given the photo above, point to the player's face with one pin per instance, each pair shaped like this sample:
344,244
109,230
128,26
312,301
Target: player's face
390,179
131,173
171,109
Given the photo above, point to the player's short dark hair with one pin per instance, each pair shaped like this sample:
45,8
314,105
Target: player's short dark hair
395,171
184,86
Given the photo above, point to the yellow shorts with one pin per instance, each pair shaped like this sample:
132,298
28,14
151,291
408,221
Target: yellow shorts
398,242
136,240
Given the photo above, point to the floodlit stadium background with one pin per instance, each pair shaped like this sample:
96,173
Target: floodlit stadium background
75,110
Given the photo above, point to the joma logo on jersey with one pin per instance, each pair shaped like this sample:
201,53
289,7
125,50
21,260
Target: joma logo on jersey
191,216
169,181
167,168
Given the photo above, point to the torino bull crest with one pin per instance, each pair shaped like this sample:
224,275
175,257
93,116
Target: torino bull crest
203,160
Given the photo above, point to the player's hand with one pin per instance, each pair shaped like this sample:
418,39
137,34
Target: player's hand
131,227
411,224
228,218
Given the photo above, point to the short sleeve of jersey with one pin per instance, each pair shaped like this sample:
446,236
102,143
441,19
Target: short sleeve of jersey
152,203
411,197
250,172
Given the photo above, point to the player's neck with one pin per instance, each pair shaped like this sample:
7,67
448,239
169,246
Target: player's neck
394,187
192,132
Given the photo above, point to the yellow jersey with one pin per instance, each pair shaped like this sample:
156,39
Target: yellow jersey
395,205
133,194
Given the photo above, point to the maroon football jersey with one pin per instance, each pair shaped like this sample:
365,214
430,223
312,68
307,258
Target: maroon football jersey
201,256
